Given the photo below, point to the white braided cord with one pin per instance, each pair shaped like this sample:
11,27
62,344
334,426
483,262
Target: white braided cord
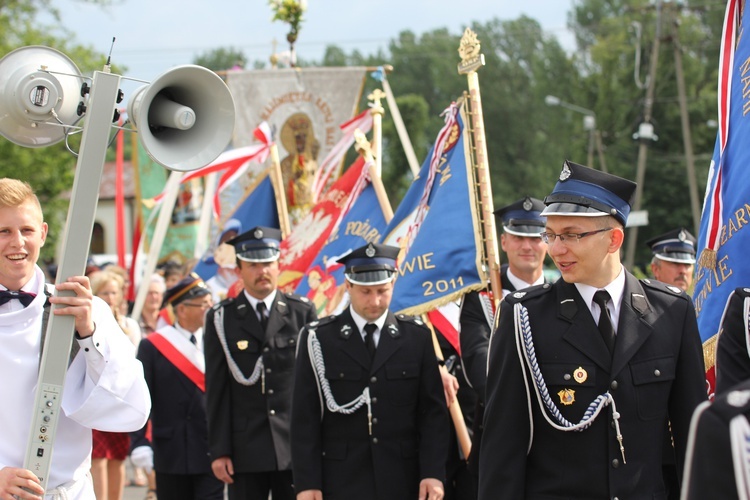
233,367
319,367
523,334
739,432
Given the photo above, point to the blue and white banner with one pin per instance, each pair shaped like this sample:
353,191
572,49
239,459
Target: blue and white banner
724,236
437,226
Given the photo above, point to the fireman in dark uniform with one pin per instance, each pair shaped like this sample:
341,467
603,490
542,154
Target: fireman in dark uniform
521,241
584,374
250,346
369,418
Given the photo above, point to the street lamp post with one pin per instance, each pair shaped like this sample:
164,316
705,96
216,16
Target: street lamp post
589,121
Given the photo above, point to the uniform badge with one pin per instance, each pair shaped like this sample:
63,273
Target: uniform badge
580,375
242,345
258,233
519,295
527,205
682,236
747,290
393,331
346,331
370,251
673,289
567,396
566,173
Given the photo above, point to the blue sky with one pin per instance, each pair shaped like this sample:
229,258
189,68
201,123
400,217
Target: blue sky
155,35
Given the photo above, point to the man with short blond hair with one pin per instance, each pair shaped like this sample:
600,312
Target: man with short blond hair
104,386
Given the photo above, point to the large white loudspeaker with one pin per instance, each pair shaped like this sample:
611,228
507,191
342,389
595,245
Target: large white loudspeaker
185,118
40,90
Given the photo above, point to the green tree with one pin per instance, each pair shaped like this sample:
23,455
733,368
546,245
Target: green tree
221,59
50,170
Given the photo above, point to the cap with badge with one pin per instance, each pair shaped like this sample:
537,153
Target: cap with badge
371,264
522,217
259,244
677,246
189,287
585,192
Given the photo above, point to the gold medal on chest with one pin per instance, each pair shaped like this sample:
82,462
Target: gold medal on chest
567,396
580,375
242,345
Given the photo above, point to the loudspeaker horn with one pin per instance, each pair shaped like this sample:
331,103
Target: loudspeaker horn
37,83
185,118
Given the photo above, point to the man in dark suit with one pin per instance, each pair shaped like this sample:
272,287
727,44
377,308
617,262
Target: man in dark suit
733,350
584,374
251,341
173,366
522,243
369,419
718,455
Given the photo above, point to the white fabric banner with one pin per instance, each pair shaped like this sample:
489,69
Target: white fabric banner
306,107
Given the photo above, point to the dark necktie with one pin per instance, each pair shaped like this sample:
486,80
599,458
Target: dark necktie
605,320
262,314
193,340
370,338
24,297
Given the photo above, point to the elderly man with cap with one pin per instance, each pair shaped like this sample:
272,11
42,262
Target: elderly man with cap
585,373
369,419
174,368
674,257
251,342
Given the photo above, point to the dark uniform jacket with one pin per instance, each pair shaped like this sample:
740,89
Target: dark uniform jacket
250,424
178,417
710,470
334,452
732,358
656,374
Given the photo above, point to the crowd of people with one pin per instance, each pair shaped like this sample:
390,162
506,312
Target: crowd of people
585,387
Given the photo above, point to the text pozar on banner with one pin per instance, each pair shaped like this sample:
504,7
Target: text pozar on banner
323,282
444,259
724,236
306,107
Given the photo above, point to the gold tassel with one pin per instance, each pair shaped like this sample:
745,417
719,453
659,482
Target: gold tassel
708,258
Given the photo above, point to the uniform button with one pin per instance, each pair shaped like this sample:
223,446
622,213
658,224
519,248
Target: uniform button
374,440
374,421
613,385
268,370
566,376
403,373
373,380
374,400
272,412
616,498
270,391
266,349
657,373
86,349
615,463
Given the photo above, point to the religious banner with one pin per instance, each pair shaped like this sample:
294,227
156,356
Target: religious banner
179,242
305,106
323,282
724,233
302,246
436,225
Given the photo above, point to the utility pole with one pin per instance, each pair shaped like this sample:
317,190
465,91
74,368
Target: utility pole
687,138
645,134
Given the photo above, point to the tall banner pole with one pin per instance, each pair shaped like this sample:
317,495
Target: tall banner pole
362,145
377,112
471,60
278,187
